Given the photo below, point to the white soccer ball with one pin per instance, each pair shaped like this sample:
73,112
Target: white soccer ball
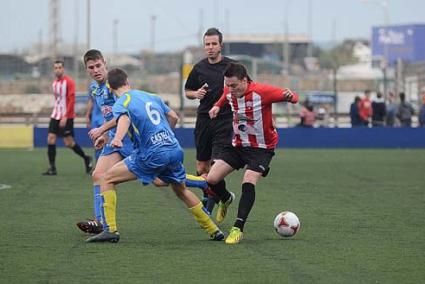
286,224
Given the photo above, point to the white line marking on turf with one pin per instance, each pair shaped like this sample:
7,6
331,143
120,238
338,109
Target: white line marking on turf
4,186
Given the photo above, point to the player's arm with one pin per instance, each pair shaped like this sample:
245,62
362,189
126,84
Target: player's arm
122,128
219,104
172,118
290,96
97,132
275,94
89,110
101,141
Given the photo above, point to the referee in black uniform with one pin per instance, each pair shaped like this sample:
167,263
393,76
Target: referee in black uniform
205,83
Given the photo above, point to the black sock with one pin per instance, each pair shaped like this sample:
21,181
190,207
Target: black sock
77,149
51,154
245,204
220,190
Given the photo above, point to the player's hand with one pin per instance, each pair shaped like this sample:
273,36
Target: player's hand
62,122
95,133
100,142
116,143
201,92
289,96
214,112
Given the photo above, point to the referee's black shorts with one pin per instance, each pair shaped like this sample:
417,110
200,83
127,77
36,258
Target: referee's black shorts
211,136
68,130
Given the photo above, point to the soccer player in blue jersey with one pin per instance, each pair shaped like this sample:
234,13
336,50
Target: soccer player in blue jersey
110,155
157,154
94,116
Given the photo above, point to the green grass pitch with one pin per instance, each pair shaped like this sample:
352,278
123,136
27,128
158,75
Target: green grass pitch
362,218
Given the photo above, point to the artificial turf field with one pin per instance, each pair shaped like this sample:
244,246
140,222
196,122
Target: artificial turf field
362,218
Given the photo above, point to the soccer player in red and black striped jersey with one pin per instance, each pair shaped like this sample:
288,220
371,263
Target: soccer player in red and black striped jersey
254,139
62,119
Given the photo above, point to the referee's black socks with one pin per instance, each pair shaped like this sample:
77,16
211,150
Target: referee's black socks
245,204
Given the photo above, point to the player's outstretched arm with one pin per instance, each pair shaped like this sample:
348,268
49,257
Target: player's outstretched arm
89,110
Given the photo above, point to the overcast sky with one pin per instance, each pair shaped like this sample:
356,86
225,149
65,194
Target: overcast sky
24,22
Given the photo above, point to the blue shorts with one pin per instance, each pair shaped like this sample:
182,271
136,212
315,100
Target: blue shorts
125,150
166,164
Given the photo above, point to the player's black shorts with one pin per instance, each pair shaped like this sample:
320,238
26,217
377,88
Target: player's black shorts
255,159
211,136
68,130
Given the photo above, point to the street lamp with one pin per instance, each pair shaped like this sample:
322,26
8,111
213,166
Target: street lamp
286,61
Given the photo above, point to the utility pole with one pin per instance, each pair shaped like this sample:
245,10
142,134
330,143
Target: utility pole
54,20
227,30
201,27
286,47
153,20
115,40
310,29
384,62
76,65
88,25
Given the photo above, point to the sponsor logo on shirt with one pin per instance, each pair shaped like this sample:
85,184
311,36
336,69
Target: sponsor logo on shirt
106,110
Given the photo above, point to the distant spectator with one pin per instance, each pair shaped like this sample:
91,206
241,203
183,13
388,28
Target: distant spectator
307,115
365,108
405,111
323,116
354,113
391,110
422,112
378,110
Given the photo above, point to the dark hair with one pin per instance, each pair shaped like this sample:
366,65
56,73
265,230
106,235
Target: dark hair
379,95
402,96
213,32
92,54
117,77
59,61
236,70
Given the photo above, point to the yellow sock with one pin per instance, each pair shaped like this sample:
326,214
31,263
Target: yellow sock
192,177
203,219
195,181
109,199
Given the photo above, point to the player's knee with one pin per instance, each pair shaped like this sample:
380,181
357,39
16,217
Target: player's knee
68,143
211,179
97,176
107,179
51,140
158,182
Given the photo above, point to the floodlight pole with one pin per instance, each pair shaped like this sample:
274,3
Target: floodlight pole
384,63
88,25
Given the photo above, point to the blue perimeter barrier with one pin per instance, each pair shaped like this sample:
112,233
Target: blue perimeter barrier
297,137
